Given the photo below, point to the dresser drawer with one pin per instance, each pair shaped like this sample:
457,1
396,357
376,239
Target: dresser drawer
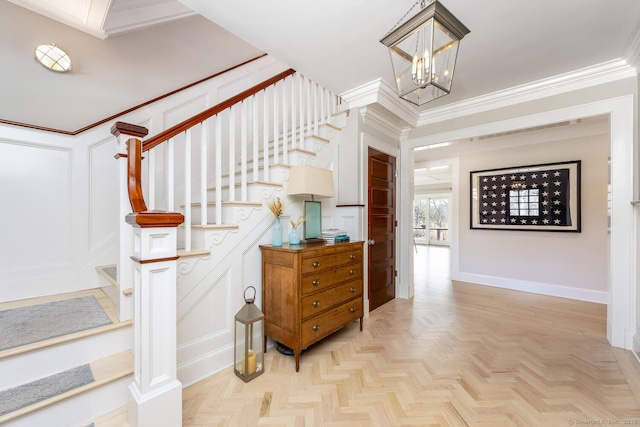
324,279
320,262
318,327
321,301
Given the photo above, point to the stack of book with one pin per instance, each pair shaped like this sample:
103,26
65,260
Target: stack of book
334,235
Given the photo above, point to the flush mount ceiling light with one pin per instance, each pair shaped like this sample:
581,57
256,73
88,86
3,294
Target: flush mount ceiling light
423,52
53,58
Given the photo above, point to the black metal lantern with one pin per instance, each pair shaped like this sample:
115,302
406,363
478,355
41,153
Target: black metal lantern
423,52
249,340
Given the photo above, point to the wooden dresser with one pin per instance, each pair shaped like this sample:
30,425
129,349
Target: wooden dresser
310,291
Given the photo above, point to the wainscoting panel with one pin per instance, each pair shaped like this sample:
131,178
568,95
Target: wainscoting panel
103,213
36,198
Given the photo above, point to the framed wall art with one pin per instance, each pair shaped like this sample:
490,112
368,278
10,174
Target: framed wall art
532,198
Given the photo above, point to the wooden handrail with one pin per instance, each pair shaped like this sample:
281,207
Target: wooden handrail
135,147
134,173
210,112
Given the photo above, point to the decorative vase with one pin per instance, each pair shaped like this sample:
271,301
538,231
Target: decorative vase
294,236
276,234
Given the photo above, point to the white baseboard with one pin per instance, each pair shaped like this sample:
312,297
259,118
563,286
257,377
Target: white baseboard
636,348
203,367
600,297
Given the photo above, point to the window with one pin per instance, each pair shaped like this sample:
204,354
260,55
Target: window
524,202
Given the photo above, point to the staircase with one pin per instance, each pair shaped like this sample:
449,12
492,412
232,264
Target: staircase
106,349
224,205
218,171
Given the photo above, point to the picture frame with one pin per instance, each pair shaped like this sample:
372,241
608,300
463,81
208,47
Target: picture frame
543,197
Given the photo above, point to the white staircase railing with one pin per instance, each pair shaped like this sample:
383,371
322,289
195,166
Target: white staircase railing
225,152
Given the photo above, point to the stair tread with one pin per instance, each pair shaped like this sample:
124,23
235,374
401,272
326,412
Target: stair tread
105,371
108,272
212,226
117,418
107,305
237,184
227,203
193,253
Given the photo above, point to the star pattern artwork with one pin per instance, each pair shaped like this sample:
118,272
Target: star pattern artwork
539,197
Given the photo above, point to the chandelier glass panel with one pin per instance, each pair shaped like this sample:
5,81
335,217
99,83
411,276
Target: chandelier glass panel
423,53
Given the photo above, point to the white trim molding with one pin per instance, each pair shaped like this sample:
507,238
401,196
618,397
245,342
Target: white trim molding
606,72
535,287
622,299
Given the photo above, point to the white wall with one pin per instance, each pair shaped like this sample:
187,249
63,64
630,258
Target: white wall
574,265
58,211
59,194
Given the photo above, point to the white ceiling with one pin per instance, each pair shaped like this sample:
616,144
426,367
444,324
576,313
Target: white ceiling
109,76
334,42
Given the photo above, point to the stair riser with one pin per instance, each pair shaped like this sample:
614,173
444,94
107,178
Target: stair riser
273,176
80,410
231,214
29,367
294,157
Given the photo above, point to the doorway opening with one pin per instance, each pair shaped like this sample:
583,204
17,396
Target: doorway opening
431,215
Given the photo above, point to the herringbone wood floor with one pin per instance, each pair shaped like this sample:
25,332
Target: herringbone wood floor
455,355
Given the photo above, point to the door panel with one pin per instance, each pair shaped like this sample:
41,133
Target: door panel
382,209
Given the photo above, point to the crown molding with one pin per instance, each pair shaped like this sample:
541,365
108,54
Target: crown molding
137,15
562,83
378,119
632,51
106,18
378,91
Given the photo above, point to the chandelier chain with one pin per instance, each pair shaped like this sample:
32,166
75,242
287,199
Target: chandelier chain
423,4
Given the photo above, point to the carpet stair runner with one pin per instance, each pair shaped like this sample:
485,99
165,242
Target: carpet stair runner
64,360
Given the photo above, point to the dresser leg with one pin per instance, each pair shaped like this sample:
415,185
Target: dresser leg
361,324
264,346
297,354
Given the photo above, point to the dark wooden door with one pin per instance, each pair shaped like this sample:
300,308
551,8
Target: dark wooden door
382,230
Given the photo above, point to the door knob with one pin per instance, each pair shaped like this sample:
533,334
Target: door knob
371,242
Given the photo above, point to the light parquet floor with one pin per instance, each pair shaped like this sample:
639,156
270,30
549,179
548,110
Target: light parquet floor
455,355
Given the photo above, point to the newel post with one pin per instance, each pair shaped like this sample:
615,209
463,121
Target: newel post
156,391
123,132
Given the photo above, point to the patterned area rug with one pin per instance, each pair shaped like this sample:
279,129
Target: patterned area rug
45,388
26,325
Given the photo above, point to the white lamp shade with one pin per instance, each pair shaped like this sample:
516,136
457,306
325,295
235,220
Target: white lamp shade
305,179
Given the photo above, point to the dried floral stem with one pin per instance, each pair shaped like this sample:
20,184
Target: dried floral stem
299,221
276,207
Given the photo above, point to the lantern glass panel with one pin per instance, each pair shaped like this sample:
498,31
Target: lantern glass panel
415,45
249,355
444,58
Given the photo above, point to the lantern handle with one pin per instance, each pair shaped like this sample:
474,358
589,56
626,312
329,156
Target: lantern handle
250,300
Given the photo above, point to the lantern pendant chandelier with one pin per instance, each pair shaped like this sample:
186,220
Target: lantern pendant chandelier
423,52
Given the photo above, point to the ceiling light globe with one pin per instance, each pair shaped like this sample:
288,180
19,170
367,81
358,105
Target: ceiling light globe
53,58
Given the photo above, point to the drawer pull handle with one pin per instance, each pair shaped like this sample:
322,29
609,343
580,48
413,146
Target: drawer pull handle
316,264
352,309
352,290
352,256
316,328
316,303
352,271
315,282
